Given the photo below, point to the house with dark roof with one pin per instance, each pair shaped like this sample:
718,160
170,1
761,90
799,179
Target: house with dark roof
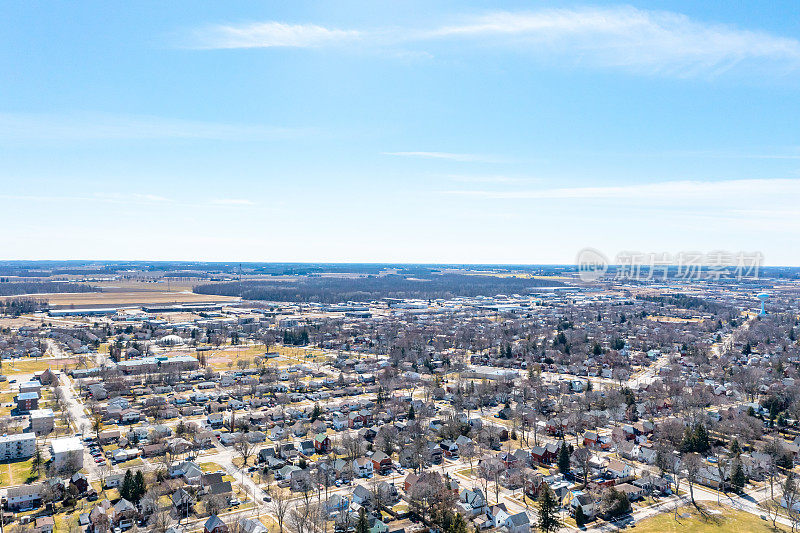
215,525
181,502
381,462
518,523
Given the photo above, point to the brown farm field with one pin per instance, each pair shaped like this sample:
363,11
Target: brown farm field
132,298
130,293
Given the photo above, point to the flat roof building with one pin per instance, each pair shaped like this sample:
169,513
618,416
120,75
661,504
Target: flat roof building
42,421
66,450
18,446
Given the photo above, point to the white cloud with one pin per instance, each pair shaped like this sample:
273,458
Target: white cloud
490,179
16,127
669,191
448,156
626,37
134,197
232,202
119,198
268,35
629,37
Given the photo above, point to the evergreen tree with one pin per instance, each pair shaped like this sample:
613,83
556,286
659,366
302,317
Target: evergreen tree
580,518
362,526
126,490
701,443
139,487
563,459
316,412
37,461
458,525
736,450
738,478
548,510
411,414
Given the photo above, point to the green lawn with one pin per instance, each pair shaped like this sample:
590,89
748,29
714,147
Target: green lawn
16,473
690,519
209,467
136,461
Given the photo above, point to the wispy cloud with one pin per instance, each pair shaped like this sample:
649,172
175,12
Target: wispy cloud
625,37
131,197
629,37
91,126
120,198
233,202
450,156
490,179
268,35
669,191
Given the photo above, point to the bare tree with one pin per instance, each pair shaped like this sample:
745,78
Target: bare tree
791,500
582,458
300,518
280,506
353,446
692,465
244,448
214,504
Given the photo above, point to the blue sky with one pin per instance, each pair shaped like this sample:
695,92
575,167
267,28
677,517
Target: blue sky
515,132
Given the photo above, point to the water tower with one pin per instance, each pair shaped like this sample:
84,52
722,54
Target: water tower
763,297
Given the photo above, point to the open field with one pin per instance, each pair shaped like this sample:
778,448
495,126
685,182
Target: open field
29,366
674,319
716,520
222,357
129,298
129,293
16,472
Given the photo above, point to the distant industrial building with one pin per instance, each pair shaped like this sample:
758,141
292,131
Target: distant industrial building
159,363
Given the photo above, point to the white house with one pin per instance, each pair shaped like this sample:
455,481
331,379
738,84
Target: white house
618,469
362,467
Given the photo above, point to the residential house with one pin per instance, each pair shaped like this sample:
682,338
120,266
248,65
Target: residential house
518,523
362,496
362,467
381,462
472,502
583,500
24,496
618,469
497,515
633,492
79,483
450,449
322,443
215,525
189,471
181,502
251,525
